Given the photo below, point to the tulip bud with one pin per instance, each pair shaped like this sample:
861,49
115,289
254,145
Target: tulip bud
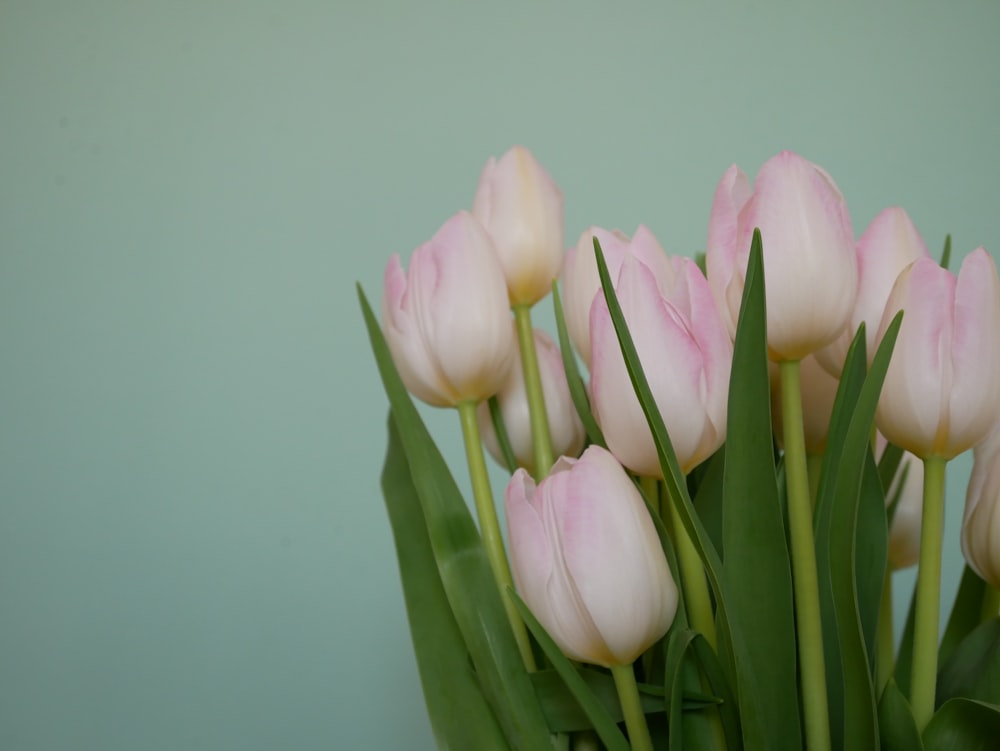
981,524
907,519
941,393
809,256
447,322
818,389
587,561
522,209
582,283
564,423
685,353
889,245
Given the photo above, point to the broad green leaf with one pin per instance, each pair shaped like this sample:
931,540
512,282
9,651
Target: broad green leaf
888,465
966,613
709,498
860,729
904,657
462,565
691,731
963,725
728,708
757,568
973,667
459,714
600,719
577,390
851,380
896,728
871,552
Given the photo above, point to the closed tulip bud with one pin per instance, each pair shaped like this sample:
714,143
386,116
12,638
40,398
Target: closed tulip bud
889,245
819,389
907,490
522,209
447,322
809,258
981,524
941,393
564,423
587,560
581,283
685,353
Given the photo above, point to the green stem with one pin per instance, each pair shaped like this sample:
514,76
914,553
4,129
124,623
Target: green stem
694,586
991,603
885,651
635,720
540,437
812,668
926,625
490,527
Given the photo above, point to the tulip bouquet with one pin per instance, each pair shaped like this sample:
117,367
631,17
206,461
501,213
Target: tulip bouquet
702,521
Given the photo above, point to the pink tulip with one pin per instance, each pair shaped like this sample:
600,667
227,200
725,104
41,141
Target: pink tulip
447,322
564,423
981,525
581,282
810,264
587,561
685,353
941,393
522,209
889,245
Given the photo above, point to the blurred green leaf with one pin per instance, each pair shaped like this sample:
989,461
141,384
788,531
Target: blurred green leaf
600,718
757,568
973,667
459,714
871,552
709,498
963,725
577,389
946,253
500,431
904,657
462,565
896,727
966,613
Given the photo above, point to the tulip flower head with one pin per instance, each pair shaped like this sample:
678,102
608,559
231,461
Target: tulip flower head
809,258
582,283
941,393
889,245
981,524
565,427
685,353
587,561
522,209
447,321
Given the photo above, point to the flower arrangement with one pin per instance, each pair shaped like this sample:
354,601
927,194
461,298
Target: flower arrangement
701,539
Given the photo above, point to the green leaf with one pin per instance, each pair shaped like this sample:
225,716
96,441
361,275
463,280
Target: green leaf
709,498
963,725
601,720
462,565
871,553
888,465
946,253
966,613
692,730
896,727
860,728
904,658
577,389
973,668
459,714
500,431
757,568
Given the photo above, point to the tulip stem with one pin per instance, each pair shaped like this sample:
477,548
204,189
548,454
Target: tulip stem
694,585
635,720
885,650
540,437
490,526
812,668
926,624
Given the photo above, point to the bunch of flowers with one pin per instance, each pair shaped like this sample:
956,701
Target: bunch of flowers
701,538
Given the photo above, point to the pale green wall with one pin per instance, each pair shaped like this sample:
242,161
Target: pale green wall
193,551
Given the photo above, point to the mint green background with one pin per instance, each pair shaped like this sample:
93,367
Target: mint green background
193,550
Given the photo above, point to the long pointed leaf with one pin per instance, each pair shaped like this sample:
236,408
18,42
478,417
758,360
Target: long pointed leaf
462,564
459,713
577,391
966,613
